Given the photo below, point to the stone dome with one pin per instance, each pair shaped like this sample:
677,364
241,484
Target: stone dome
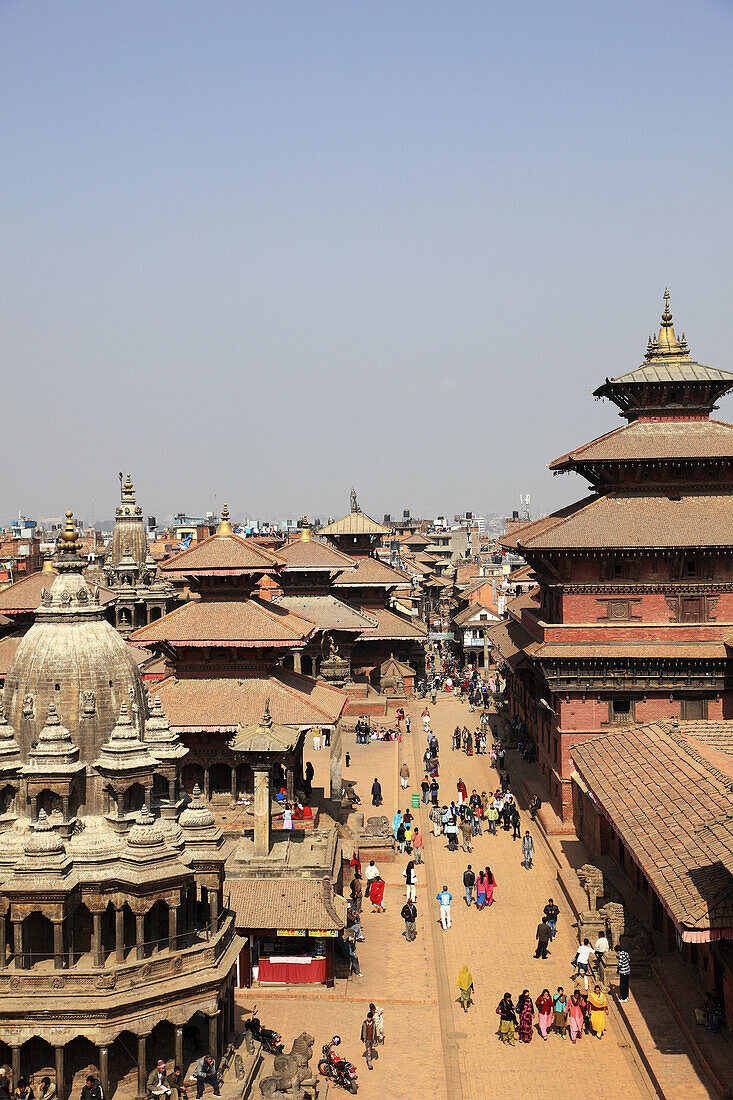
74,660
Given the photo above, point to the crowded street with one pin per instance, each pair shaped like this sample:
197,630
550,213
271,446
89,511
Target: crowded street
431,1042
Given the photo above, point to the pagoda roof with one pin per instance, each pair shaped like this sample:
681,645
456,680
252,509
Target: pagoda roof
328,613
511,640
654,440
356,523
223,622
222,555
673,810
415,540
372,573
658,370
226,703
628,521
24,596
313,555
394,627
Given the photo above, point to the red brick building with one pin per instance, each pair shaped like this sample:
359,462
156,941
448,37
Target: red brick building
633,617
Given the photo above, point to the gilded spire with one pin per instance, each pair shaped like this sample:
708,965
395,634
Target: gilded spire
305,530
69,560
127,490
666,343
225,527
48,564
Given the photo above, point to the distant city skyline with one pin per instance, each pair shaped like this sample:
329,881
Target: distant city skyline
259,253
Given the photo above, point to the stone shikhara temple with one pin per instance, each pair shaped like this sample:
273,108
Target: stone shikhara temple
115,946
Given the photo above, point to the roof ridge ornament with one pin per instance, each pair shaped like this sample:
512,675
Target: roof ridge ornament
354,502
666,344
127,490
305,530
225,527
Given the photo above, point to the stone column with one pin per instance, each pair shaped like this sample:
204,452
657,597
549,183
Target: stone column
104,1069
59,1059
296,661
119,935
172,927
142,1064
3,944
213,911
207,785
65,801
98,947
214,1035
290,783
15,1057
179,1047
58,944
262,810
18,944
139,935
234,783
233,1030
34,808
172,791
337,781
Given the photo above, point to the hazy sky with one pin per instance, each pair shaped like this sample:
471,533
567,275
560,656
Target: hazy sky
260,252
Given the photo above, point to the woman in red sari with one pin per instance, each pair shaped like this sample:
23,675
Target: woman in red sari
490,886
376,895
525,1012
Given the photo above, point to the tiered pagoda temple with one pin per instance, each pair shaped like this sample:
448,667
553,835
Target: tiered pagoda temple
632,619
223,652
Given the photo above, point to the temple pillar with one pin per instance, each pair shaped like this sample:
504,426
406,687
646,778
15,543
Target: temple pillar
98,946
104,1069
34,809
139,935
207,785
296,661
18,944
290,783
3,944
65,806
337,781
59,1060
142,1064
172,791
172,927
119,935
234,783
15,1058
214,1036
178,1053
262,810
58,944
213,911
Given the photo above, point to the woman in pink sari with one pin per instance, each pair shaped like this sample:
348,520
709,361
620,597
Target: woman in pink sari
544,1011
482,882
576,1005
490,884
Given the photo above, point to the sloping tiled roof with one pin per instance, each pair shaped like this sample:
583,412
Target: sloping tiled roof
511,640
391,626
24,595
314,555
716,735
328,613
212,622
657,793
225,703
222,555
8,649
474,611
628,521
371,572
655,439
292,904
528,601
685,370
356,523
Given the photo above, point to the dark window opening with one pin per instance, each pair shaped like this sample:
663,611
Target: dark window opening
621,711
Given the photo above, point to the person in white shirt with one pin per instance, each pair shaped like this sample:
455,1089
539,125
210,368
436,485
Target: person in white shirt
410,876
371,873
444,899
581,961
600,948
316,740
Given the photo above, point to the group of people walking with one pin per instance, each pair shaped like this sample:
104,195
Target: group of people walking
571,1015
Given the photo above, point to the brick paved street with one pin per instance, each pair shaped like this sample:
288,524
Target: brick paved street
431,1043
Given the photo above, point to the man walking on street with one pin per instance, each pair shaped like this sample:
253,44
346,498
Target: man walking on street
368,1035
624,971
467,835
469,881
492,816
376,792
527,850
409,916
404,775
551,912
543,939
444,898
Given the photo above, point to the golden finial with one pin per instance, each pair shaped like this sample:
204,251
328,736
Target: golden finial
225,527
666,315
48,564
69,533
666,343
305,530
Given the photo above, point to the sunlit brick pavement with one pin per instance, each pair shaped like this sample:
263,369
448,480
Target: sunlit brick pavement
433,1048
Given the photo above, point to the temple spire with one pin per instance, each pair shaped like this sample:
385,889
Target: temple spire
127,490
666,343
225,527
305,530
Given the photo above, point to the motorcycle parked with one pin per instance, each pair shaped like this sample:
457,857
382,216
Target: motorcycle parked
338,1069
271,1040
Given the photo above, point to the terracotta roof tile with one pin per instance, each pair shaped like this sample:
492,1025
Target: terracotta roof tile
634,650
356,523
24,596
391,626
8,649
655,439
226,703
291,904
211,622
371,572
222,555
314,555
328,613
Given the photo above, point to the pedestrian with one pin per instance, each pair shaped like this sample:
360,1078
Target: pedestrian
469,880
23,1091
434,788
368,1037
544,1012
624,972
91,1090
376,792
327,738
205,1071
543,939
371,875
560,1011
507,1019
354,967
409,916
425,788
525,1012
551,912
410,875
5,1086
157,1083
308,778
598,1006
492,816
466,835
464,981
316,740
451,831
444,898
462,792
575,1016
516,824
417,844
378,1013
401,837
357,892
436,817
426,719
600,947
490,886
482,882
404,775
396,822
408,721
376,895
527,850
582,961
347,759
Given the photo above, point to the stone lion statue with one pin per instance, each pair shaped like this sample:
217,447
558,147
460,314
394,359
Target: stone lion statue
592,881
292,1072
